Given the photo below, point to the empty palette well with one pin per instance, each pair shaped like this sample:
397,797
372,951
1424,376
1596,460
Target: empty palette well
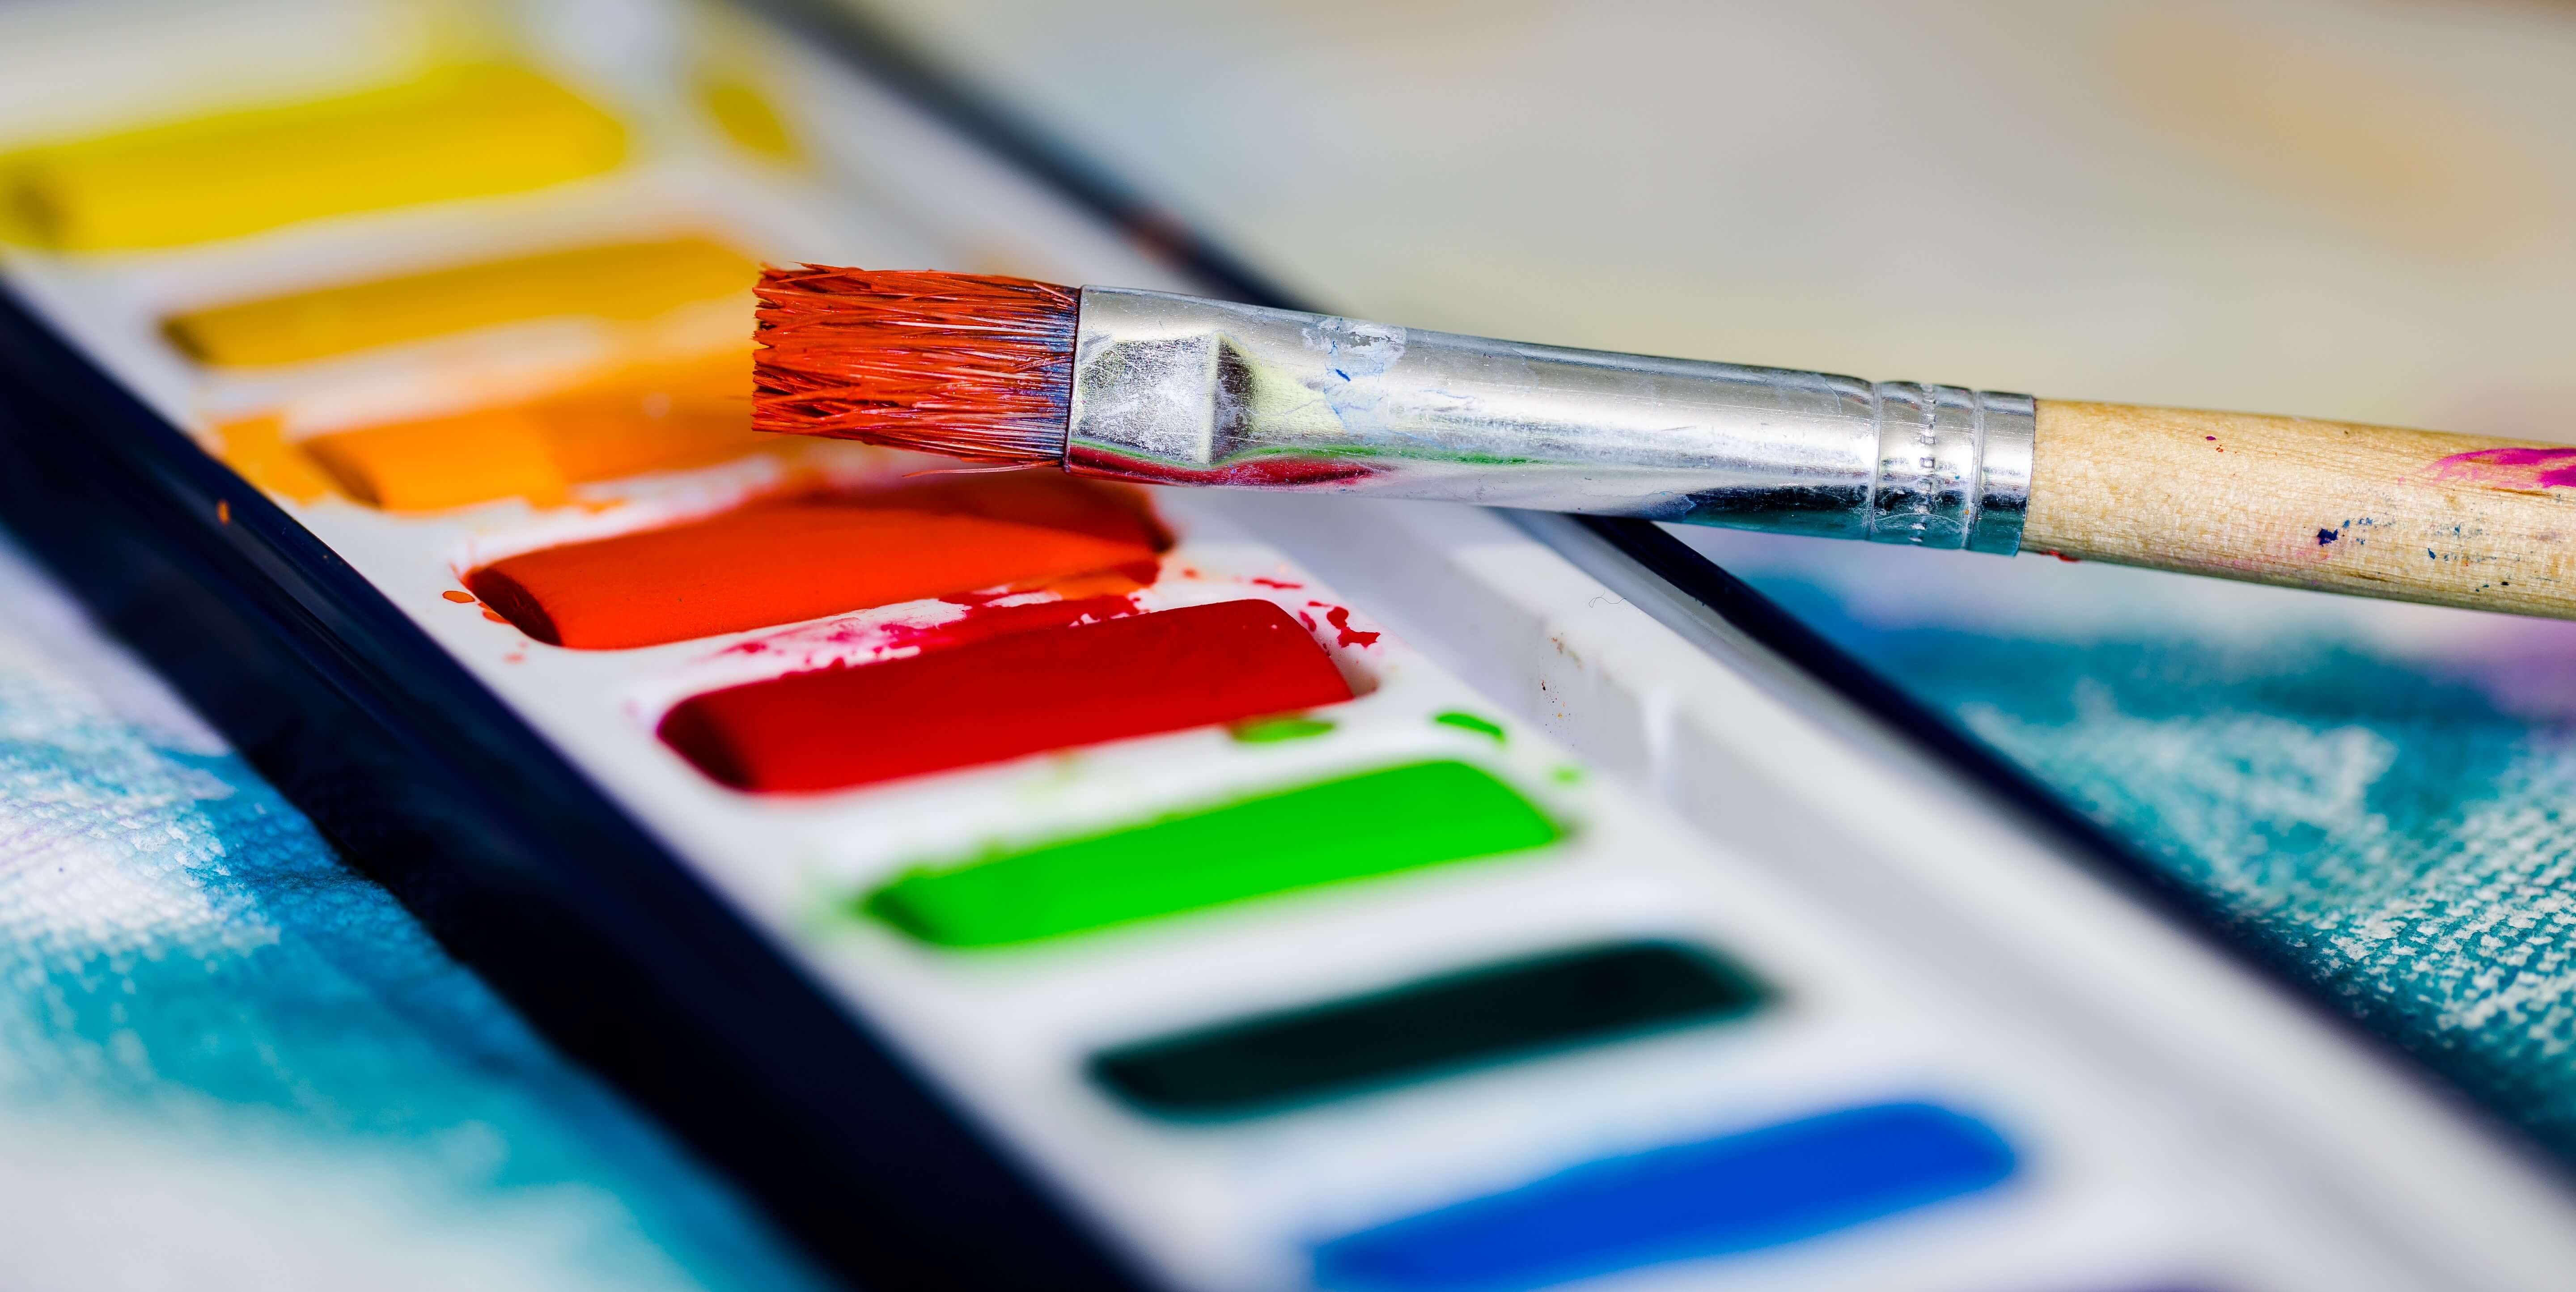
467,131
785,560
1356,827
1738,1193
622,281
1426,1028
1006,697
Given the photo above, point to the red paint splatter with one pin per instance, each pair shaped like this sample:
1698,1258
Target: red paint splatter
913,628
1306,619
460,598
1340,618
1281,584
987,622
2511,468
494,617
2070,560
988,614
1008,697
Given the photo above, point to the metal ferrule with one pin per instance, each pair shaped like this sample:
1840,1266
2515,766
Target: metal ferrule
1178,390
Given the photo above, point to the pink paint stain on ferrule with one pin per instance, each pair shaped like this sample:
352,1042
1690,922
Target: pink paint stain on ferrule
2511,468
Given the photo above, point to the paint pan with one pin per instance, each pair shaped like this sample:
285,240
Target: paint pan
1357,827
465,131
623,282
1739,1193
1007,697
799,558
662,418
1423,1029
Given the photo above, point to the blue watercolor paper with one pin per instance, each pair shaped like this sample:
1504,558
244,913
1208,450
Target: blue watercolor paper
226,1060
2379,798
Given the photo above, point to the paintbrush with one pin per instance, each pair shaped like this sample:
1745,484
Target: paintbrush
1176,390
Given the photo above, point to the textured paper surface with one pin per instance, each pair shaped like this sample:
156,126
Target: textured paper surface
2380,798
228,1061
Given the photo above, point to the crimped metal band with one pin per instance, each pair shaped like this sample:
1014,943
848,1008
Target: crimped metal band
1953,467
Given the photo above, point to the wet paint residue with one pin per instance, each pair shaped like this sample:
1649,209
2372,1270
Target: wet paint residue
985,616
1006,697
2325,536
1271,731
2511,468
1465,721
893,632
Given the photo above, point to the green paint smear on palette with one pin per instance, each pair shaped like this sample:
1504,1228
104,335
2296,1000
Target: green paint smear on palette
1465,721
1270,731
1357,827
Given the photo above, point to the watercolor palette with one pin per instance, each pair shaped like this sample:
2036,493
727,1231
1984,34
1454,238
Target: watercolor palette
1273,893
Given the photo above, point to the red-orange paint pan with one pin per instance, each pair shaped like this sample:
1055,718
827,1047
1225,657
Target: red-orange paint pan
781,561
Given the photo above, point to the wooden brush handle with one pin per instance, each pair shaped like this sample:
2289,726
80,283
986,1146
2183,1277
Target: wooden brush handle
2374,510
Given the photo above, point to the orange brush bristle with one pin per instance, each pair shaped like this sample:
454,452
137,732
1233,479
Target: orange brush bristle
965,365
